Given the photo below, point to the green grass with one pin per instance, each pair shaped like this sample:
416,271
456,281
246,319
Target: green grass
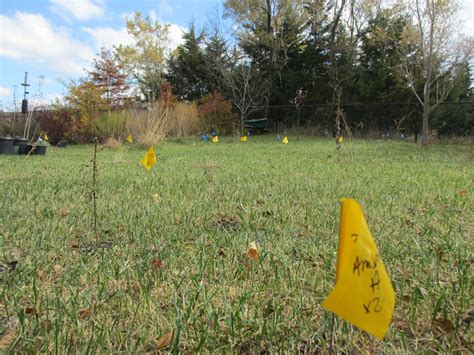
197,211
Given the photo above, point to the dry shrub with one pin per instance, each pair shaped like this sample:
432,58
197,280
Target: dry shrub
112,143
187,121
111,125
150,126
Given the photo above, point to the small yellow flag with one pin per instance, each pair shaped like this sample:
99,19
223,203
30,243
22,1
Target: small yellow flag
129,138
243,139
340,139
149,159
215,139
363,294
285,140
45,137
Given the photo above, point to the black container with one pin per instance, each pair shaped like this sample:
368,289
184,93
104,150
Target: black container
6,145
17,142
38,150
25,149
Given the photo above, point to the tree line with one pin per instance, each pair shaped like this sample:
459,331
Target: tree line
383,66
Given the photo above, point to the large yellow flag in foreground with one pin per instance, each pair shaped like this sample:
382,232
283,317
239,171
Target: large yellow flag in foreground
363,294
149,159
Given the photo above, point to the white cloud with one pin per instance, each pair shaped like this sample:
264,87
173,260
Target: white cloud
5,92
467,18
176,35
82,10
165,8
152,15
108,37
31,38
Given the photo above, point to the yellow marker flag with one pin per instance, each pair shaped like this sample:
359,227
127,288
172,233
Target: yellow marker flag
285,140
215,139
340,139
363,294
149,159
243,139
129,138
45,137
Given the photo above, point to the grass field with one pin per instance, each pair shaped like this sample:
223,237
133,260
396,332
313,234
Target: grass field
173,242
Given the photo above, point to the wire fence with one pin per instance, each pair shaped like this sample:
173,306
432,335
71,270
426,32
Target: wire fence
404,118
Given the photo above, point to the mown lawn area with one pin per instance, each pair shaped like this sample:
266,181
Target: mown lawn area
172,249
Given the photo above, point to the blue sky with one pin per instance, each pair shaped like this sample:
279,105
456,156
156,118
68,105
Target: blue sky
54,40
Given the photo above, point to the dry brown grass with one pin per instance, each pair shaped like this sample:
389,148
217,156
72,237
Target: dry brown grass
187,120
152,125
112,143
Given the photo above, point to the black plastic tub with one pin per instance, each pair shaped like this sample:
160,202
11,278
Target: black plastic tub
6,145
25,149
38,150
17,142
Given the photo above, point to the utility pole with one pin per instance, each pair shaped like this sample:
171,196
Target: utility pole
24,107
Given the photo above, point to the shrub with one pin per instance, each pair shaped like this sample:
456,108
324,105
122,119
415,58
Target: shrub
216,114
56,121
187,120
150,126
111,125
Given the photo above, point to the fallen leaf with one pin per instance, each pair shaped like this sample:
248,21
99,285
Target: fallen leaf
443,324
85,313
157,264
57,269
7,339
40,274
46,325
9,332
252,252
462,192
164,341
64,211
211,323
31,310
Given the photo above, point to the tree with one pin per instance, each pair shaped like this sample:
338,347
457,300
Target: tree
264,34
187,70
107,75
215,58
378,78
435,49
144,59
87,102
242,83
